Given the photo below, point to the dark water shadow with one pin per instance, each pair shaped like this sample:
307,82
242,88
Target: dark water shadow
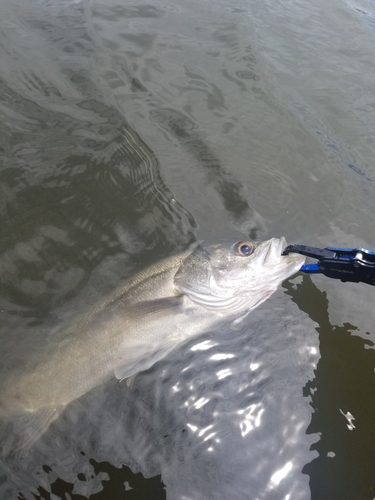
342,396
224,182
117,483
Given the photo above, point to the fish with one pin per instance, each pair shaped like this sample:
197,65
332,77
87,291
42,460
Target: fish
138,324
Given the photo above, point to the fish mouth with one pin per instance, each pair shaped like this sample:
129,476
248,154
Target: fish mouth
274,251
273,255
282,245
295,259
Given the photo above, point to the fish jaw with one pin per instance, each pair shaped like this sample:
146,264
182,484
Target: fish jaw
277,266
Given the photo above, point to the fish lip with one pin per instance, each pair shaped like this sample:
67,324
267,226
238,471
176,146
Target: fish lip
276,247
282,244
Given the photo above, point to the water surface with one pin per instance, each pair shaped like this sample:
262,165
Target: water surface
129,131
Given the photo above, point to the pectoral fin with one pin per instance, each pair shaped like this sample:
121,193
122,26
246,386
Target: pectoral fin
140,356
151,308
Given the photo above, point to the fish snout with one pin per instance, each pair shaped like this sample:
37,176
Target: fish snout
274,251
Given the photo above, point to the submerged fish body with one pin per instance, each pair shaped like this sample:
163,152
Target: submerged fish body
140,322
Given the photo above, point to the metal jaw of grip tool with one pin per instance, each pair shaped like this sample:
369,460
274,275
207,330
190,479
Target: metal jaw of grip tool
346,264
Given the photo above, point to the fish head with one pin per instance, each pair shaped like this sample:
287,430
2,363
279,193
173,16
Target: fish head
234,279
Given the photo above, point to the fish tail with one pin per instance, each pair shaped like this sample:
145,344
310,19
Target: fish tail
18,432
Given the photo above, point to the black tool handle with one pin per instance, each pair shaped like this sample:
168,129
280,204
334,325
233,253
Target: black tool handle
356,271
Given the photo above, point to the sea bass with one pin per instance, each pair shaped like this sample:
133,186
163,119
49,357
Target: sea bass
140,322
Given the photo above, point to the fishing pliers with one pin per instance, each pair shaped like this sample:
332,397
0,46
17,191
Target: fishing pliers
346,264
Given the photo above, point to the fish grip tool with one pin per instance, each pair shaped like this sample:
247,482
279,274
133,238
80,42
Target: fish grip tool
346,264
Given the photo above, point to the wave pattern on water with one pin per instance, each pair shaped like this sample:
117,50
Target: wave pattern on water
126,131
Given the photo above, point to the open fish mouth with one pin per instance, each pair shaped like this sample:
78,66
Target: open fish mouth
274,261
274,251
282,245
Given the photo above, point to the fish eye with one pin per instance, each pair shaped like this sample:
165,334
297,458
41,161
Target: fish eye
244,248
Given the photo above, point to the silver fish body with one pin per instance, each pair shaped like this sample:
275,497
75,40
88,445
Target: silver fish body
142,321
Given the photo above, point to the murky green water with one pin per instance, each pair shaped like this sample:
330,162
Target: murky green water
129,131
